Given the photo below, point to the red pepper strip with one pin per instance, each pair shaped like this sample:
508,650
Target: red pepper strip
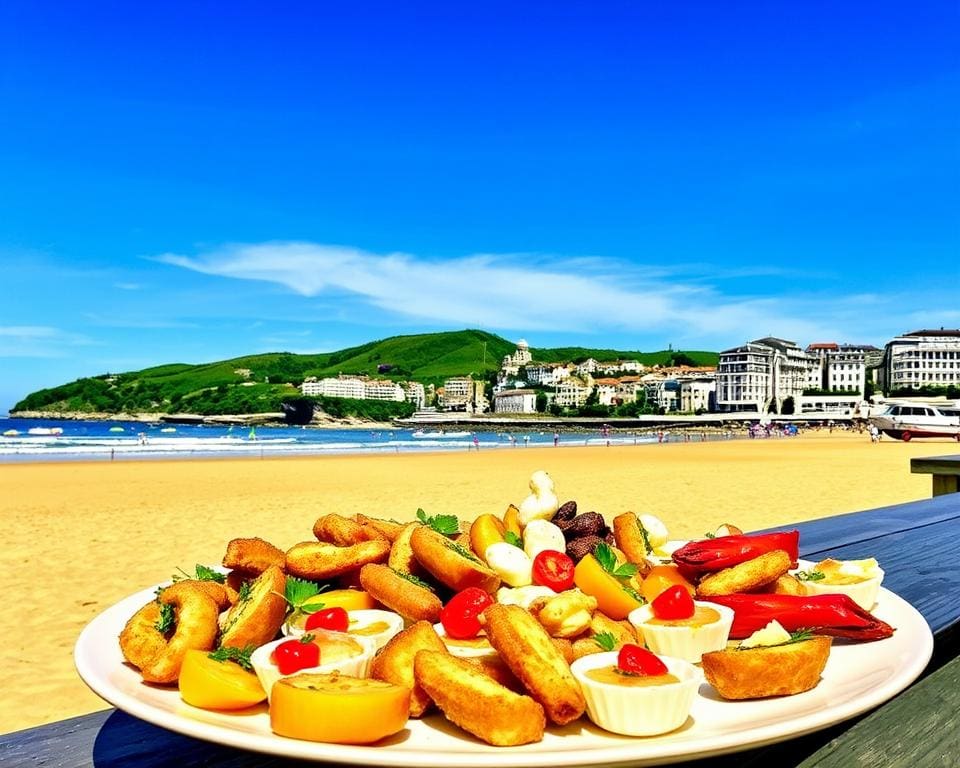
709,555
836,615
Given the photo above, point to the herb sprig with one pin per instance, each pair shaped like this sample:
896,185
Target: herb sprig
605,640
298,593
201,573
445,524
167,620
608,561
239,656
811,575
511,538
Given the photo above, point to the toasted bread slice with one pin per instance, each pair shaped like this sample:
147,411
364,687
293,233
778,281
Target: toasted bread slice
389,529
747,576
532,656
477,703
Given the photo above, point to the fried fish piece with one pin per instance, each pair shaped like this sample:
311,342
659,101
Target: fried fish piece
528,650
394,662
389,529
343,531
158,656
628,535
321,560
401,556
778,670
452,564
746,576
412,600
477,703
253,555
256,618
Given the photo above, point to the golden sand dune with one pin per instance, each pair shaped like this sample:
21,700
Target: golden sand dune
80,536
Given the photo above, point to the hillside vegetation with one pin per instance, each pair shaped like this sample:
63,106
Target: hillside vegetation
261,383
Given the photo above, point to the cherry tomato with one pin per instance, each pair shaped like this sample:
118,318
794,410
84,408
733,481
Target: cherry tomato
553,569
673,603
634,660
459,615
335,619
293,655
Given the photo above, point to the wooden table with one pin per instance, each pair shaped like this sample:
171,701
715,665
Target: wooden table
945,471
917,544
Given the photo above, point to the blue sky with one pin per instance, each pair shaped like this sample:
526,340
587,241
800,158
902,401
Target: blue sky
183,183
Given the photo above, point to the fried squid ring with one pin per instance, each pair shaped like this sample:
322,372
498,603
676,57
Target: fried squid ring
344,532
252,556
158,657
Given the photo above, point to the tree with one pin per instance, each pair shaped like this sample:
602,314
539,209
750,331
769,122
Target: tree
541,405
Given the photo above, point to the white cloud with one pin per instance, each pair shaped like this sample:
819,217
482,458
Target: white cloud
531,292
38,341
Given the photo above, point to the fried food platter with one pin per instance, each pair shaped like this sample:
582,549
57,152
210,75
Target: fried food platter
856,679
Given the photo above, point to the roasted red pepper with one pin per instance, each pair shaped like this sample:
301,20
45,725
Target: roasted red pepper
836,615
709,555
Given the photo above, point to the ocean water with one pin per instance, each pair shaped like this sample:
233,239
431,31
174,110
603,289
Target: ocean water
59,440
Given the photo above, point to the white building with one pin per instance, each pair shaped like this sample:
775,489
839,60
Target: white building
341,386
515,401
547,374
607,391
461,393
587,367
627,388
840,367
571,393
921,358
383,389
512,363
414,392
697,393
761,375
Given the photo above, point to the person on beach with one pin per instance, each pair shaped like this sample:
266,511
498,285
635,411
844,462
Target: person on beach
556,439
874,434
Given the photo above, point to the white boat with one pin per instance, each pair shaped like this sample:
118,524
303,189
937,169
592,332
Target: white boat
439,434
11,433
905,421
45,431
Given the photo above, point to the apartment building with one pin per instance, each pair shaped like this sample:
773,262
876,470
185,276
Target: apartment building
761,375
546,374
341,386
414,392
840,367
921,358
383,389
571,393
515,401
607,391
462,393
697,393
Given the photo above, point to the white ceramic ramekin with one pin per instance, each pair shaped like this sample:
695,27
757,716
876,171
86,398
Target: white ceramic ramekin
683,642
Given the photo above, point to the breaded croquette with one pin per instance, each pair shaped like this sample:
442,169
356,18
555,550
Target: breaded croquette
413,601
477,703
528,650
394,662
344,532
389,529
256,619
450,563
746,576
320,560
252,556
628,534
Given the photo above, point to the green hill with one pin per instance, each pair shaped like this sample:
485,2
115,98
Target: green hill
259,383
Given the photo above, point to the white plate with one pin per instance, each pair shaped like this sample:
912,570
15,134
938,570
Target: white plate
857,677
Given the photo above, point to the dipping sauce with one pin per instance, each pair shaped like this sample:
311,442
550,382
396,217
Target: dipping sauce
612,676
701,615
372,628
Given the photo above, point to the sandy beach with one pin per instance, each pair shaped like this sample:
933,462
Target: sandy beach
80,536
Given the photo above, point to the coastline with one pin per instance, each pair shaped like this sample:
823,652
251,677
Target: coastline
83,535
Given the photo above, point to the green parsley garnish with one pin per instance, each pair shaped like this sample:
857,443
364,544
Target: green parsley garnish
608,561
445,524
298,593
412,579
245,592
463,551
709,535
646,537
810,575
605,640
511,538
239,656
202,573
800,635
167,620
